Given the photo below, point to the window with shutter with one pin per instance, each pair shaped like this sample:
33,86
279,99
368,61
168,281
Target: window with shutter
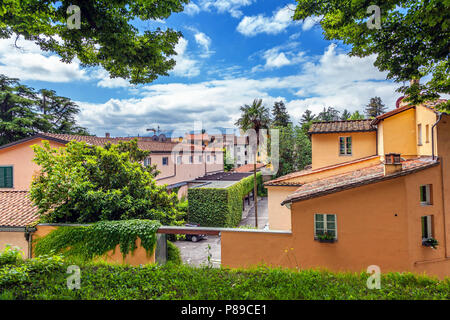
6,177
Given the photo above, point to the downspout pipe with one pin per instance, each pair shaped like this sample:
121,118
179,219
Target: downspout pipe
432,135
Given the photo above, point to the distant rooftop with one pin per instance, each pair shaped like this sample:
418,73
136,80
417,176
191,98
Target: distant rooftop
342,126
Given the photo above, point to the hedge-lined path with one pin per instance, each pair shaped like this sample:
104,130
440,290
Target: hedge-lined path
196,253
263,214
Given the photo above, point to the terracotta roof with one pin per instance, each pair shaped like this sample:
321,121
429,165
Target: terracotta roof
144,144
341,126
281,181
355,179
249,167
430,104
16,209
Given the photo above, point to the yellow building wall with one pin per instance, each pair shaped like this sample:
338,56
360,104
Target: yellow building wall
325,147
14,239
279,216
20,157
426,118
399,134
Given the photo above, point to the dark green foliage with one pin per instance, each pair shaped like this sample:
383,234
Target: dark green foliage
10,255
173,253
46,278
375,107
411,43
294,150
280,115
89,242
25,112
107,35
84,184
212,207
328,114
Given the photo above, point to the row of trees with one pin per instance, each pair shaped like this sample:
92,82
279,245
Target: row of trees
295,145
25,111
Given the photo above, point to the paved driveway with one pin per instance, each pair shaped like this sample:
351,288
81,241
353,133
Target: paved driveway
196,253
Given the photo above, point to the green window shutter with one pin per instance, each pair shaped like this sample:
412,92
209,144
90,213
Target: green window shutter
6,177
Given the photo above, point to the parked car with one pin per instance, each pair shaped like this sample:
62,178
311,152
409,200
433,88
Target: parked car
194,237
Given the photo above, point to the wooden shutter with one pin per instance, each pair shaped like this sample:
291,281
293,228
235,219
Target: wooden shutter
6,177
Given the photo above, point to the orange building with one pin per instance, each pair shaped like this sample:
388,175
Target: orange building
178,163
378,193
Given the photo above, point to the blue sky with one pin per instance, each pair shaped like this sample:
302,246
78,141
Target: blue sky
232,52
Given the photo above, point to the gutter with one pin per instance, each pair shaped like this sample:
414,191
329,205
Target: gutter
432,134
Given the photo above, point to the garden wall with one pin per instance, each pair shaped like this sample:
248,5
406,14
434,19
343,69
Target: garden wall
136,258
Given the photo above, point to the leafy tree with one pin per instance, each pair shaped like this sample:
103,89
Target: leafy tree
255,116
295,150
280,115
375,107
24,112
228,162
306,120
356,116
328,114
106,36
412,42
345,115
82,183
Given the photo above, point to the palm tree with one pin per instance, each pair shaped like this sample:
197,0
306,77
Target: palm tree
256,117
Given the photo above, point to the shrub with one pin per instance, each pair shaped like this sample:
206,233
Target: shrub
10,255
88,242
173,253
48,280
219,207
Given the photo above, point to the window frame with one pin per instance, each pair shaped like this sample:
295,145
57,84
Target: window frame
179,160
428,219
325,223
5,186
165,161
428,194
427,133
346,154
419,134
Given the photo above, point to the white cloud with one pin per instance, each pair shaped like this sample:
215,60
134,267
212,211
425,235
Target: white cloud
191,9
310,22
204,42
30,63
280,56
278,22
106,81
222,6
185,65
333,79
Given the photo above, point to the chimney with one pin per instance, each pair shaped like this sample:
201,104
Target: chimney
392,163
107,135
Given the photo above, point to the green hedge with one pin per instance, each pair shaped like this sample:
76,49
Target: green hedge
45,278
214,207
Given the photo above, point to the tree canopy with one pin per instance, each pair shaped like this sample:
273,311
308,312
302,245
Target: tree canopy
82,183
106,36
280,114
375,107
411,43
24,112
